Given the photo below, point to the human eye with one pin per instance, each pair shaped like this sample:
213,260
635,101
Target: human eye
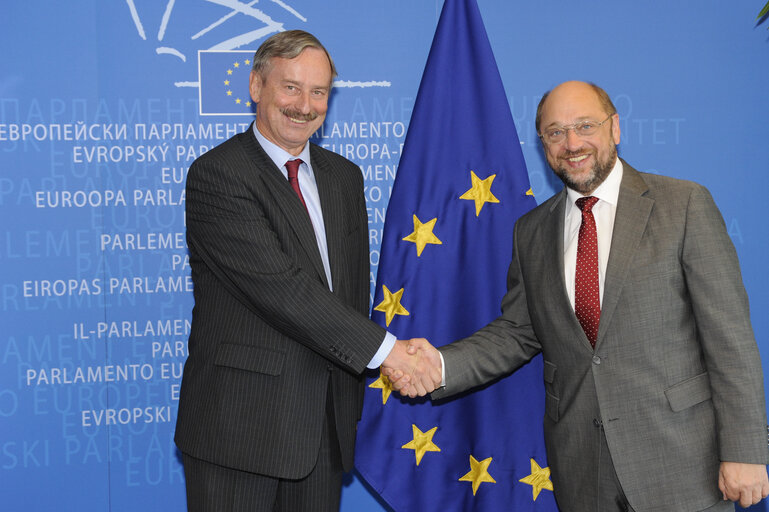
586,127
554,132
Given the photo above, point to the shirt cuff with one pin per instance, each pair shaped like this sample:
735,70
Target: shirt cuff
443,370
384,350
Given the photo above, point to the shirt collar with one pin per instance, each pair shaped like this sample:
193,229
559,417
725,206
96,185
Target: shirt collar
279,155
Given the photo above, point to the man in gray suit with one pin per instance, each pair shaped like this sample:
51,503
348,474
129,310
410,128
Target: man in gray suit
654,387
278,240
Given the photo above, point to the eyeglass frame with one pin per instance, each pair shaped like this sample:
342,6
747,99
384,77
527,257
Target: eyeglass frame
572,127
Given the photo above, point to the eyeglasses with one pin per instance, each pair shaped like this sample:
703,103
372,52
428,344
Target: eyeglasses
557,134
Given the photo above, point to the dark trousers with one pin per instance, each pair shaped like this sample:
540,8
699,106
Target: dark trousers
214,488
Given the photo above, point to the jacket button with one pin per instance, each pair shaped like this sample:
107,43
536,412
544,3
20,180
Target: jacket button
596,360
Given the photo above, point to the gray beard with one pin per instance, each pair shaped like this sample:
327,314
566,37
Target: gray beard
600,171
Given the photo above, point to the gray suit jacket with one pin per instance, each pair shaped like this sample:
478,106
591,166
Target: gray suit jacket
268,338
675,377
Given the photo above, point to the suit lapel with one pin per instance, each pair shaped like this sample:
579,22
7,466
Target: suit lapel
331,204
286,198
553,262
555,287
632,216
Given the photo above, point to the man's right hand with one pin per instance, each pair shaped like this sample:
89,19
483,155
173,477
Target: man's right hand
413,367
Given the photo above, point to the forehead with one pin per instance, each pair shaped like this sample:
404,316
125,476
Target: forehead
569,103
311,66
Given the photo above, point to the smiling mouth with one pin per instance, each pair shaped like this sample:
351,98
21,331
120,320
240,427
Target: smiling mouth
579,158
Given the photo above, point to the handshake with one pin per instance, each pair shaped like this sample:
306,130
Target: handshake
414,367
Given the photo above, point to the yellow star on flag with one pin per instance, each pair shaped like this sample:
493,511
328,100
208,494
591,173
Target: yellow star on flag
391,305
246,62
480,192
229,93
229,71
237,100
479,473
530,193
385,385
248,103
423,235
422,442
538,479
226,82
236,64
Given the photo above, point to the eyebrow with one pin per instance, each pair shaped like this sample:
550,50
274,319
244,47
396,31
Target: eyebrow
579,120
294,82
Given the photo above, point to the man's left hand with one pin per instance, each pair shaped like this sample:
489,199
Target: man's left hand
746,483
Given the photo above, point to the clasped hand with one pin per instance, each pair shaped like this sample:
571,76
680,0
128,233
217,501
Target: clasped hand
413,367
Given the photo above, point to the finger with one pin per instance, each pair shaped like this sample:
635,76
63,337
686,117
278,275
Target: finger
416,344
722,485
746,498
419,388
428,385
400,383
403,388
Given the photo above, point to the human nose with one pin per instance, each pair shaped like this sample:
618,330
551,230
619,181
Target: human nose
572,139
303,102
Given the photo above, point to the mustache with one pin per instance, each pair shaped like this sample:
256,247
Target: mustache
570,154
295,114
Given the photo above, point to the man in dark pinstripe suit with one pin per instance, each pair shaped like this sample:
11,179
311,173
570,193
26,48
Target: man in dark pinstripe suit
272,389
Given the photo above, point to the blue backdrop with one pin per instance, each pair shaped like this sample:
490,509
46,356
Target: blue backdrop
104,105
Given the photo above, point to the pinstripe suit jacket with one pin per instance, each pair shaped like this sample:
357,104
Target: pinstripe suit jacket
675,377
267,334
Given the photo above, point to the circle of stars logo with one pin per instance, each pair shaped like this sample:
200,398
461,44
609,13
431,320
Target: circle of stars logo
227,82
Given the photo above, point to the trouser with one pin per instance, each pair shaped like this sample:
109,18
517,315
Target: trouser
214,488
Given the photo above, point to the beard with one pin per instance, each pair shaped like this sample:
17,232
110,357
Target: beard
598,173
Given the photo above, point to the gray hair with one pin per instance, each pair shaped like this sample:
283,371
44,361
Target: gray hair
287,45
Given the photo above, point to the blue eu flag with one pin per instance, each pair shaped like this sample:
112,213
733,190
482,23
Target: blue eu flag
223,80
447,244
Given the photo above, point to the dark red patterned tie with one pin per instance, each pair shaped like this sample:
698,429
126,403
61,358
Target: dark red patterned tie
292,166
587,301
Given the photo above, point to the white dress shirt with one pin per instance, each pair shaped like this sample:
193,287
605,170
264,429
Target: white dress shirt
603,212
309,188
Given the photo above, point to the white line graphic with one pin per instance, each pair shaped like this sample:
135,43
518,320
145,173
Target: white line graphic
164,50
349,83
164,21
135,17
